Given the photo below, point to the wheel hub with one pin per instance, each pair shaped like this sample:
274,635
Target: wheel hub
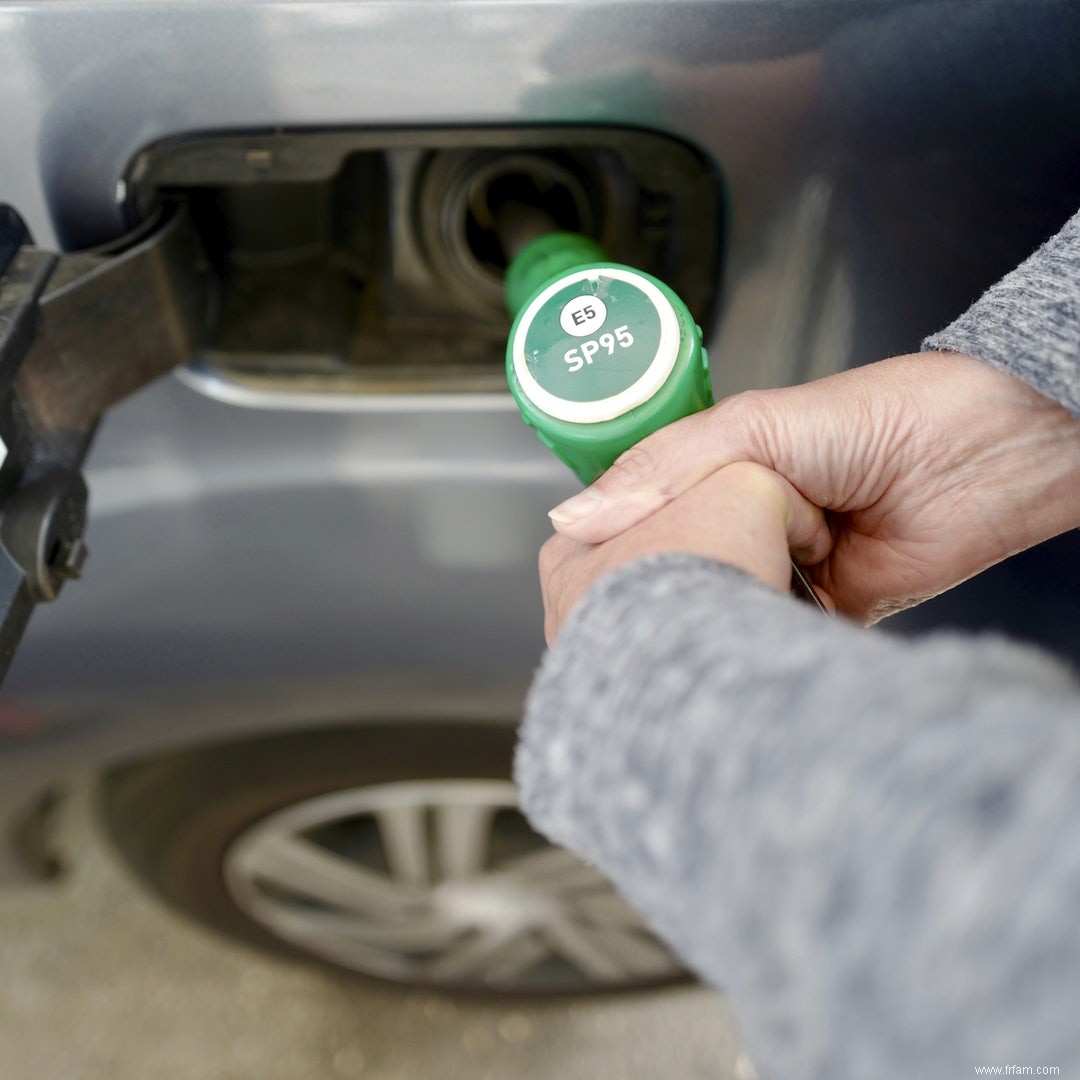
491,902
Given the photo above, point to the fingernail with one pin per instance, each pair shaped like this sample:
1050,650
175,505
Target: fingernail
576,508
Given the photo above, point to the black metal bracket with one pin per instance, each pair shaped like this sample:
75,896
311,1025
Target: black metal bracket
78,333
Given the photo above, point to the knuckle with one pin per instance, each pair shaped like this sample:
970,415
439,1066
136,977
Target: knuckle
753,419
750,410
634,467
755,477
740,476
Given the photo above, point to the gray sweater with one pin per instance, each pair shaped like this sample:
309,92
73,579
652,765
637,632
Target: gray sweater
873,844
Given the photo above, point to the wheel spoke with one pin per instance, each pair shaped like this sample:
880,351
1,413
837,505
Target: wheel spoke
583,950
417,935
476,956
553,870
306,870
463,837
636,954
607,909
403,831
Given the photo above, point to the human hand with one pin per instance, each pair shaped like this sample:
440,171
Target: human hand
933,467
742,514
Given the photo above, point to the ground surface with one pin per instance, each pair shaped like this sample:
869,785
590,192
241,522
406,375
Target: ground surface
102,984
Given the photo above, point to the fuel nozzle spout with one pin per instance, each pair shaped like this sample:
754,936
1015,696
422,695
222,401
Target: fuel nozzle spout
549,255
537,249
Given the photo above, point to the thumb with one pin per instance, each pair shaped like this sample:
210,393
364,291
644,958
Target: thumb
655,471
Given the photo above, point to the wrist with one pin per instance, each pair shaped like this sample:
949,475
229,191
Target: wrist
1023,451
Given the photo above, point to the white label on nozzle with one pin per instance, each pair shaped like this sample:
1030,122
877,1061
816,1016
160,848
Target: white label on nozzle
585,377
582,315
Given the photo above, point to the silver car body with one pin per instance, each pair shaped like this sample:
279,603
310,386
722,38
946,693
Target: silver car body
261,563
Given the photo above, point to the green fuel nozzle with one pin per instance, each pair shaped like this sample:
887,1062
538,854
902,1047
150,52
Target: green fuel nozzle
600,354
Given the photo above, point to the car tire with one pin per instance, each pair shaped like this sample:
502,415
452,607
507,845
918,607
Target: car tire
391,851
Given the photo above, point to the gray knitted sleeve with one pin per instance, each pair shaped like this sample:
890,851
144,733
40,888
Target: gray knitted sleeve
871,843
1028,324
